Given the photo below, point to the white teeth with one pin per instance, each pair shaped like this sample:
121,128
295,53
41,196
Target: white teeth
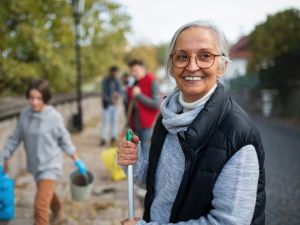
193,78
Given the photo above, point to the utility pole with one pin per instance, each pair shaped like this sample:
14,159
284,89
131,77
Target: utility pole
78,7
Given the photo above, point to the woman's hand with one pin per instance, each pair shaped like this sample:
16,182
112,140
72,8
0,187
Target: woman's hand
130,221
127,152
79,164
136,91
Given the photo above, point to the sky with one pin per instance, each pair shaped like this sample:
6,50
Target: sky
156,21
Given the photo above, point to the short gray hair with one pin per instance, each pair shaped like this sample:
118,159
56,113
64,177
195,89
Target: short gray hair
222,41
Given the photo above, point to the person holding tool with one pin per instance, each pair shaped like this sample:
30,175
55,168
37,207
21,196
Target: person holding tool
143,103
206,161
129,170
42,130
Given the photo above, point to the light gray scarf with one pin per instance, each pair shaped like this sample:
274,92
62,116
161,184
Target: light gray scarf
174,119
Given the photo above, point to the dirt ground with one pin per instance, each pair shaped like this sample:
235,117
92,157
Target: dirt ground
108,202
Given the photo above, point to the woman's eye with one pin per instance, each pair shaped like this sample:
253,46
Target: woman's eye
182,57
204,56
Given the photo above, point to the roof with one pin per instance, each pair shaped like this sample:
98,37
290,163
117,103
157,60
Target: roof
240,48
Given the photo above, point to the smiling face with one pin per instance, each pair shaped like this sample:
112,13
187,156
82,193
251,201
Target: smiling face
138,71
191,80
36,100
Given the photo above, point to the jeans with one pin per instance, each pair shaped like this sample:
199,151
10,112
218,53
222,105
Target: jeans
145,138
109,123
45,199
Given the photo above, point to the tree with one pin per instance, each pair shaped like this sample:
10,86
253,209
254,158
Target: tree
162,50
147,53
37,40
106,25
275,47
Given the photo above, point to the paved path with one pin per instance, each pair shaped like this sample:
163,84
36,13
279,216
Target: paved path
282,163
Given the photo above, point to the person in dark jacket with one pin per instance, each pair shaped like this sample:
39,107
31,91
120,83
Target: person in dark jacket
111,91
206,162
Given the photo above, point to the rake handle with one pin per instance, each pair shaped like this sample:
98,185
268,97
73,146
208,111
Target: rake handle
129,137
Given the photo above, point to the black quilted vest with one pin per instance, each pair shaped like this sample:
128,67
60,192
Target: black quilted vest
216,134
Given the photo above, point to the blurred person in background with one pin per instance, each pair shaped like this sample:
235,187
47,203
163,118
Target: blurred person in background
206,163
127,82
111,91
143,103
41,128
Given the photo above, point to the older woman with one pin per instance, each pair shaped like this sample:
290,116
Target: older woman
206,163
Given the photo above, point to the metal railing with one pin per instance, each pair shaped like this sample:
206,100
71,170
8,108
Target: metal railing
11,107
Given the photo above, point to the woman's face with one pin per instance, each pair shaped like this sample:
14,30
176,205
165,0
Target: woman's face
36,100
191,80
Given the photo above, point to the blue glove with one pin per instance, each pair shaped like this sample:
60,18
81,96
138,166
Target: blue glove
80,166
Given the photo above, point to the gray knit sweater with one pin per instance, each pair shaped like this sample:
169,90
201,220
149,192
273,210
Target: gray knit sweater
234,193
44,136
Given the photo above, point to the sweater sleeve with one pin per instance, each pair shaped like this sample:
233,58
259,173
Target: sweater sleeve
234,193
139,169
152,102
64,138
12,143
105,94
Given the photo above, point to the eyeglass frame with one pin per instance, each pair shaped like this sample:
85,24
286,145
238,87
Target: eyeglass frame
213,61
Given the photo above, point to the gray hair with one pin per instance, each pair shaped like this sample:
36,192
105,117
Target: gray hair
222,42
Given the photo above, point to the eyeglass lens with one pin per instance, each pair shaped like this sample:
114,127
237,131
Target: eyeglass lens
203,59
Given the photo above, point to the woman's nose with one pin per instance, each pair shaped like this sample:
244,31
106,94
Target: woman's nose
192,65
34,101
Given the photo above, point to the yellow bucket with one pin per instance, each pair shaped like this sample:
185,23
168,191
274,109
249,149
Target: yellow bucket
109,158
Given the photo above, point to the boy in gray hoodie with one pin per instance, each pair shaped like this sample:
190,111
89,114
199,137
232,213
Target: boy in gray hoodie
42,130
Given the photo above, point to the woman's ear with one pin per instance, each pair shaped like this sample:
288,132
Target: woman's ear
171,72
223,67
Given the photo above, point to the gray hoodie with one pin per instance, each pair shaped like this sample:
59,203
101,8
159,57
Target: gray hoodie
44,135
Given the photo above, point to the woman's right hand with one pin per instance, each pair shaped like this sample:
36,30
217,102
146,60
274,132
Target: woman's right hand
127,152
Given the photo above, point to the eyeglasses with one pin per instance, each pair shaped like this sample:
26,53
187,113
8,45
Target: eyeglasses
204,60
